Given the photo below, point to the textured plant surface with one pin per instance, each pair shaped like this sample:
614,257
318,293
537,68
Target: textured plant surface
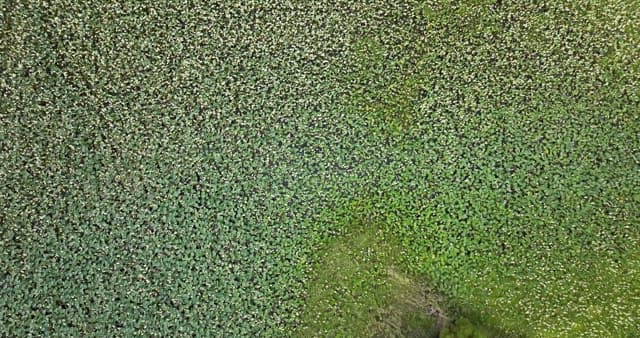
173,168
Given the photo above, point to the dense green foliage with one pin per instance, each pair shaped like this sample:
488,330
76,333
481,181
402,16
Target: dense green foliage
172,169
159,160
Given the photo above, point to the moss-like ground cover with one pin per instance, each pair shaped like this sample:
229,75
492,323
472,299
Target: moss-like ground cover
207,168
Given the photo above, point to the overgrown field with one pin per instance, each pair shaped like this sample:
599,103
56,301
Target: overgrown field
319,168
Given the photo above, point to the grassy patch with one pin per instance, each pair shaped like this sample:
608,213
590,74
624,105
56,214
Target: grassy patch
597,296
359,290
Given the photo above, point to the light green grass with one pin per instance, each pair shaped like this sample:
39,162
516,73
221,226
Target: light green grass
597,297
360,289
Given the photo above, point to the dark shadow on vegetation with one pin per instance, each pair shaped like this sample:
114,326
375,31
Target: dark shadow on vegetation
470,323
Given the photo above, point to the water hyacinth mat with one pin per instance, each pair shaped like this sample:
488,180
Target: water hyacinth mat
320,168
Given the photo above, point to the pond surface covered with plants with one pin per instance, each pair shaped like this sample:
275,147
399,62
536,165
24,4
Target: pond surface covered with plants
307,168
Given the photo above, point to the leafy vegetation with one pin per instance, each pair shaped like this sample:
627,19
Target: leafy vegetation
272,168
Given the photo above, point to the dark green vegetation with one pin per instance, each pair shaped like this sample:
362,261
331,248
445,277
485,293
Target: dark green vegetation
174,169
463,328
